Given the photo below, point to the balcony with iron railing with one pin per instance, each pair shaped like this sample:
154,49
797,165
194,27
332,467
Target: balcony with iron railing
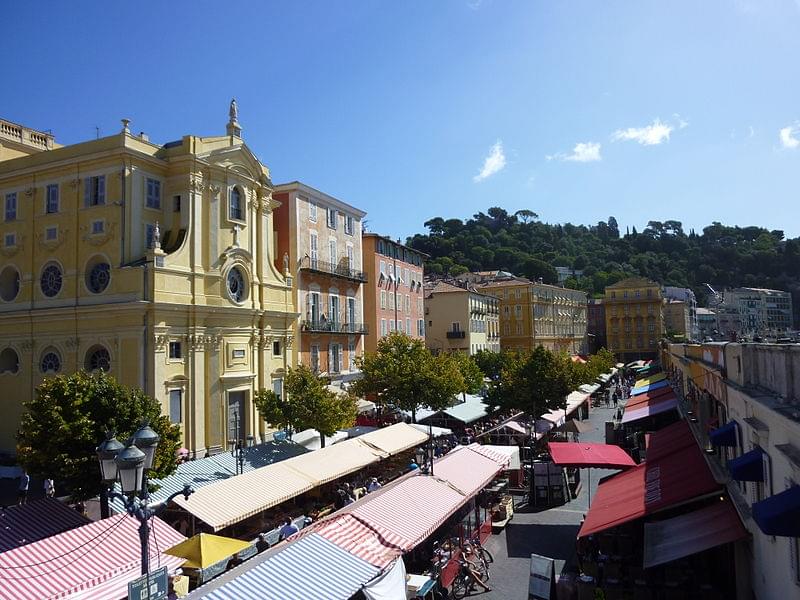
342,269
456,335
325,326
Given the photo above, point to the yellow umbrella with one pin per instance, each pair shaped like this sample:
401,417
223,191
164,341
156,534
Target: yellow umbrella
205,549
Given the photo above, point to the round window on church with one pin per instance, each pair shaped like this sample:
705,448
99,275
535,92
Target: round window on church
237,290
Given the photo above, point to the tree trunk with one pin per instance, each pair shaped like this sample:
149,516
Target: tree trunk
414,415
321,440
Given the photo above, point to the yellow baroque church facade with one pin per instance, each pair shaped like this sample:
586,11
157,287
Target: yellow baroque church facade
153,262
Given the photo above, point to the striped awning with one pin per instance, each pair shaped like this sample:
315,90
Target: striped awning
93,561
470,468
332,462
203,471
411,510
395,438
34,521
226,502
312,568
371,543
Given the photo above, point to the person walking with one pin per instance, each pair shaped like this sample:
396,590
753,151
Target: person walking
24,483
49,488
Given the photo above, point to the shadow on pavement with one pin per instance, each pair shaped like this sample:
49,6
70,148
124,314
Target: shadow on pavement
555,541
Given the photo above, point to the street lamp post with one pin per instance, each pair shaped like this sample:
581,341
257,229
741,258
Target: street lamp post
128,465
529,429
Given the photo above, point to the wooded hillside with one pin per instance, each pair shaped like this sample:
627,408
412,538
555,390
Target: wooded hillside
720,255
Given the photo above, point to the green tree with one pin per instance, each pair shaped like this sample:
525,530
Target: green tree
308,404
403,374
471,374
492,363
69,416
536,382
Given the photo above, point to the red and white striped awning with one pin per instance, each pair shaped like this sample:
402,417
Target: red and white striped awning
93,561
371,543
34,521
469,468
411,510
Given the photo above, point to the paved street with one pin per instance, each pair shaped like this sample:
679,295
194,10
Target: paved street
549,532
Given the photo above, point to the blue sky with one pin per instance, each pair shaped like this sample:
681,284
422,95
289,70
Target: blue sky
575,110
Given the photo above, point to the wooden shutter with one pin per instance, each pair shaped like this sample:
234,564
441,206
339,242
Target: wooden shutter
87,191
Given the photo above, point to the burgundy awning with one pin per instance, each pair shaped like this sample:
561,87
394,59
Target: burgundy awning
581,454
684,535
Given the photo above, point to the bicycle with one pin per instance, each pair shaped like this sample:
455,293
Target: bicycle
482,552
462,584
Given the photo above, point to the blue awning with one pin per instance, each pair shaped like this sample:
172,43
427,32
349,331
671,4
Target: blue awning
647,388
779,514
748,466
312,568
725,435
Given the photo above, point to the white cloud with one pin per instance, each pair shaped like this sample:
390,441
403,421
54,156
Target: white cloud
789,135
494,163
582,152
752,131
682,123
649,135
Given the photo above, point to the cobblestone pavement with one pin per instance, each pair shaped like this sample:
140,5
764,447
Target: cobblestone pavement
550,532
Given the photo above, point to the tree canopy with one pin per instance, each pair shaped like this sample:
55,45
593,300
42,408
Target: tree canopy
308,403
403,374
721,255
539,381
67,419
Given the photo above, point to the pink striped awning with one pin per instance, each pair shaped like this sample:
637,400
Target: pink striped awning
501,458
411,510
93,561
34,521
469,468
371,543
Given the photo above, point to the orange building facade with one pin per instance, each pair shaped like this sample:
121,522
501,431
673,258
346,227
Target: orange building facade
318,242
393,294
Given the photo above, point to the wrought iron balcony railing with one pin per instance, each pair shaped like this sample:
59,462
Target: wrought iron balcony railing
337,270
321,326
456,335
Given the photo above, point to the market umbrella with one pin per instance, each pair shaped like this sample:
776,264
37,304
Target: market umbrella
205,549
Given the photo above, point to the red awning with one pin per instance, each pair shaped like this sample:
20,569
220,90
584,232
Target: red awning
580,454
34,521
92,561
675,471
671,539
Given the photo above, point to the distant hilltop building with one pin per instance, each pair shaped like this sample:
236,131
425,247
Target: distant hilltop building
565,273
749,312
690,329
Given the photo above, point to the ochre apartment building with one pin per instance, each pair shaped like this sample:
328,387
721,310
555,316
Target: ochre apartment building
319,239
537,314
634,318
393,294
150,261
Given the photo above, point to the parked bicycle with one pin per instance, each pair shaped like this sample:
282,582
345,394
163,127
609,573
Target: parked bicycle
473,570
482,552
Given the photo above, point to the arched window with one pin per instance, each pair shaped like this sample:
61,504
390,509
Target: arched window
9,283
98,359
236,204
50,361
51,280
9,361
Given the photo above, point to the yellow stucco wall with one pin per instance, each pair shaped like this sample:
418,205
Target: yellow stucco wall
154,296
